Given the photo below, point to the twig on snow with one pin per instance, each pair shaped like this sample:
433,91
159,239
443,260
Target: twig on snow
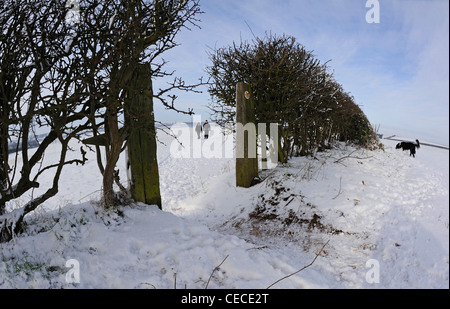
258,248
340,187
350,156
216,268
294,273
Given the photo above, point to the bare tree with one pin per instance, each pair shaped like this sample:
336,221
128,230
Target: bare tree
39,87
76,75
126,41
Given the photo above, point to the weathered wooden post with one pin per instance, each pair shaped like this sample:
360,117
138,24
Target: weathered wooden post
142,147
246,146
141,138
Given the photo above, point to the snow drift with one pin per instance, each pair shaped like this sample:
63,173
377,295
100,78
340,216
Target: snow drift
346,207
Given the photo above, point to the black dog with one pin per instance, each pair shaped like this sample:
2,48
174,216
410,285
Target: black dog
409,146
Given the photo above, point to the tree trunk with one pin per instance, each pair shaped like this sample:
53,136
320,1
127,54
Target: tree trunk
113,153
4,166
142,147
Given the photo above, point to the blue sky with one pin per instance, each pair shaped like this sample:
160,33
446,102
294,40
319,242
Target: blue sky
397,69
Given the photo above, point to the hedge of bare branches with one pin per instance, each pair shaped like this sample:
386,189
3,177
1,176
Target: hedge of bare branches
291,87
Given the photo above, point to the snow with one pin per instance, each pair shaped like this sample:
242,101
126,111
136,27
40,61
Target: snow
376,214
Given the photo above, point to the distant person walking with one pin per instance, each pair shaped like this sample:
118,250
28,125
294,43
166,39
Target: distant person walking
206,129
198,129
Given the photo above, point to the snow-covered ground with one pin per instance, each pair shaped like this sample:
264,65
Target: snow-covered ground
368,219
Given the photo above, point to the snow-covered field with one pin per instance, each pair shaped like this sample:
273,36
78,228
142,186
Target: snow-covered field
368,219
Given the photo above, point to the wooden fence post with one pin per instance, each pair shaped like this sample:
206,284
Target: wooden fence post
142,147
246,143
